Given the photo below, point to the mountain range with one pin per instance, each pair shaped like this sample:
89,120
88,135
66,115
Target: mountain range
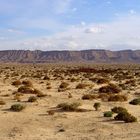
94,56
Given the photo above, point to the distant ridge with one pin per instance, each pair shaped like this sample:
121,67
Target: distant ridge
94,56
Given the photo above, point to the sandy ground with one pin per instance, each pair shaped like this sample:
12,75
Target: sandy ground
34,123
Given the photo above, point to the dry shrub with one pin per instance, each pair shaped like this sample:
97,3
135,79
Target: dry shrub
2,102
36,91
62,89
82,86
39,93
17,97
63,85
99,80
50,112
49,87
26,89
104,97
46,77
116,98
32,99
73,79
102,81
111,88
89,97
27,83
16,83
70,95
119,109
69,106
123,86
131,82
93,79
48,84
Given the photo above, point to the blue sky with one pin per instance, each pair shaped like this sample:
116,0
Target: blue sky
69,24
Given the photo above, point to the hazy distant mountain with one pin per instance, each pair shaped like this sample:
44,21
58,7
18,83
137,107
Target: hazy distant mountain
96,56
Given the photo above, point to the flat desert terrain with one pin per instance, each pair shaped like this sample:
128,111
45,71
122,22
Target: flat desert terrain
69,102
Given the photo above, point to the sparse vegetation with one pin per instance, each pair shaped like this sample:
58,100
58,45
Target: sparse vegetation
27,83
135,101
108,114
63,85
102,81
116,98
108,86
89,97
26,89
97,106
82,86
111,88
16,83
118,109
2,102
126,117
17,107
51,112
32,99
69,106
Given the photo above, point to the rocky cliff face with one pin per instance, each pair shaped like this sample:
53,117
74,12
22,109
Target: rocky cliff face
97,56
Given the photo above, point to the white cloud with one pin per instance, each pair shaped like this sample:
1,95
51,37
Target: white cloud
132,11
14,31
83,23
74,9
3,38
122,31
62,6
108,2
96,29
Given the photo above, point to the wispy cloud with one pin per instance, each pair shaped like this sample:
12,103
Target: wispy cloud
122,31
61,6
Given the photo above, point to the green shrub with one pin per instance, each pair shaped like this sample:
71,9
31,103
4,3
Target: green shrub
17,107
135,101
108,114
126,117
97,106
118,109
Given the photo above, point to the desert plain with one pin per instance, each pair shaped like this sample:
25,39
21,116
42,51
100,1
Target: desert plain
57,102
